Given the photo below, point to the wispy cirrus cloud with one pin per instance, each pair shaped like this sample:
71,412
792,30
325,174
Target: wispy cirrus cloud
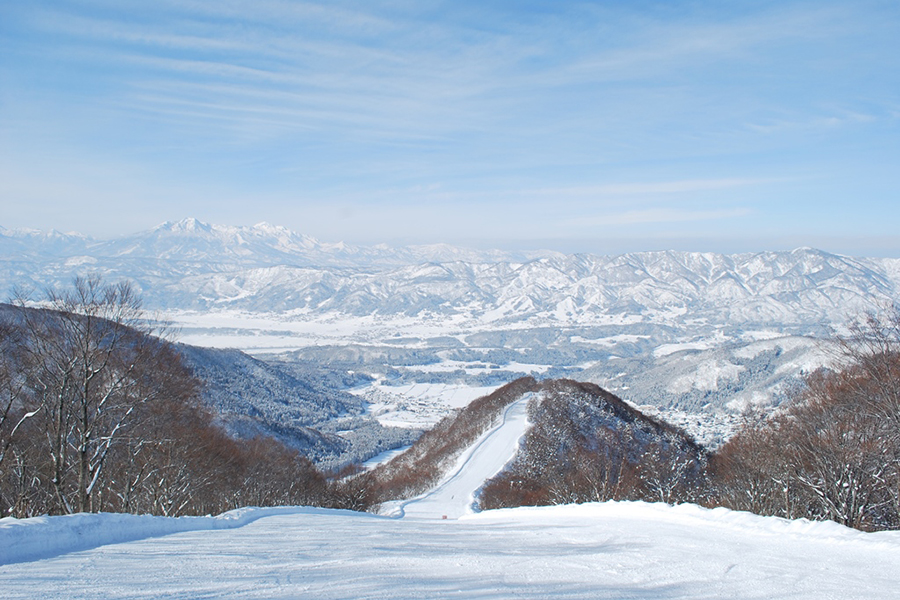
656,216
647,188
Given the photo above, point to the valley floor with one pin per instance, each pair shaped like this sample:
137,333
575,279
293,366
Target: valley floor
610,550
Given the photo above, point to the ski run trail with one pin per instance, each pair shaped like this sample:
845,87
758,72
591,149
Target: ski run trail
454,495
604,550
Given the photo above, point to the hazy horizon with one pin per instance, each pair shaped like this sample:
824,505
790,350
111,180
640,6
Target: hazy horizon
573,246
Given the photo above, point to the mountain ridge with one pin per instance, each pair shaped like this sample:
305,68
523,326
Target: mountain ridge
191,265
262,244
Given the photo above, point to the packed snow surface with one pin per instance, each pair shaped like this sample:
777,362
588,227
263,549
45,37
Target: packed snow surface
609,550
42,537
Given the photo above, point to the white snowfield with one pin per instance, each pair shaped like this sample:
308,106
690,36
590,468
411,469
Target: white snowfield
609,550
41,537
454,495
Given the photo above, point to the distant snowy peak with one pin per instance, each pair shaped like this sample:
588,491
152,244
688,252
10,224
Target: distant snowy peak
33,242
188,226
256,246
29,233
262,233
190,239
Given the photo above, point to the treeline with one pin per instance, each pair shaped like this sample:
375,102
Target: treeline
97,414
834,452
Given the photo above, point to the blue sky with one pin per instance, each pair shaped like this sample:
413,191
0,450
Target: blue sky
579,126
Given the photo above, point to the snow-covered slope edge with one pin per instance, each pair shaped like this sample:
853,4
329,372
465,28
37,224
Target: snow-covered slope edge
37,538
690,515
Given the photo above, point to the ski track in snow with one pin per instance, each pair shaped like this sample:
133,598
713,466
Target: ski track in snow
454,495
597,551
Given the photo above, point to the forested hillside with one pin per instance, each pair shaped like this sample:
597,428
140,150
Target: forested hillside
586,444
99,414
302,404
834,451
831,452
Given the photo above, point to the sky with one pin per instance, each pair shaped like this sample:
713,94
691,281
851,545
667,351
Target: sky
594,126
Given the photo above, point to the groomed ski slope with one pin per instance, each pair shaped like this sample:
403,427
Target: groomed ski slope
454,496
596,551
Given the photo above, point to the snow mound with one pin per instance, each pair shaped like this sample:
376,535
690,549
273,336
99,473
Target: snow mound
692,516
44,537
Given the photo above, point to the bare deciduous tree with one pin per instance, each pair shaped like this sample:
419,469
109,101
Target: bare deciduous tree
94,363
97,413
834,452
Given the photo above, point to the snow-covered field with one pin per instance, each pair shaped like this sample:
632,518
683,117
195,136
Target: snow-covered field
417,405
610,550
266,332
679,382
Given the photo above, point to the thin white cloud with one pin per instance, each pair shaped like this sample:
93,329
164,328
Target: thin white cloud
357,19
666,48
655,216
845,119
96,30
647,188
408,87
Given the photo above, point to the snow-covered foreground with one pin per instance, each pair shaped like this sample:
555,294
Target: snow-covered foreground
610,550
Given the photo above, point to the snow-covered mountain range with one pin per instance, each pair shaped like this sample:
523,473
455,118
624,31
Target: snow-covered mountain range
192,245
266,268
715,331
